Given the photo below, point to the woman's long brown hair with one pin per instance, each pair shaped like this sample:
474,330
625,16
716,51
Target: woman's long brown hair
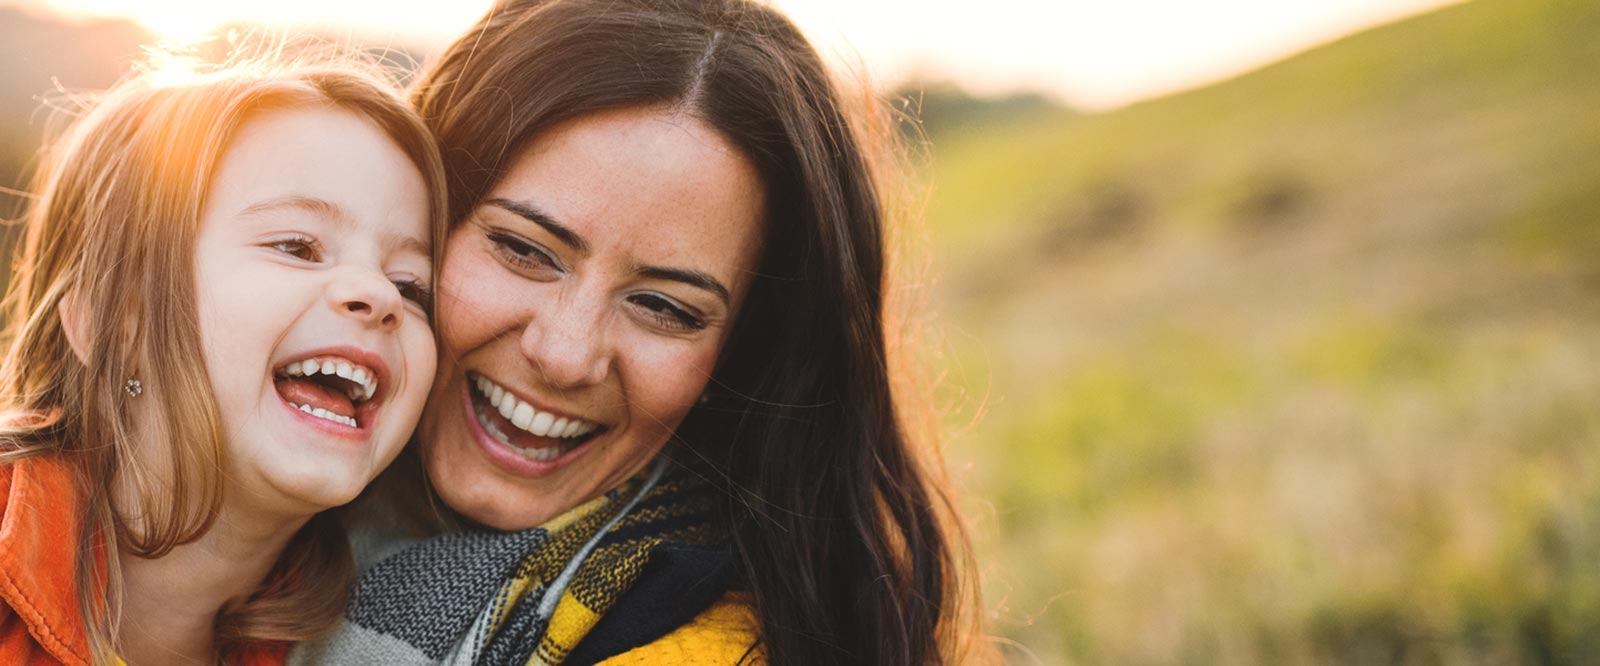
113,227
841,523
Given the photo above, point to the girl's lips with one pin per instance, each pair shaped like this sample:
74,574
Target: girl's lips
501,454
371,361
366,412
365,415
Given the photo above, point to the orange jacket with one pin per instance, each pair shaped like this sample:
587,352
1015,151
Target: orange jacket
41,519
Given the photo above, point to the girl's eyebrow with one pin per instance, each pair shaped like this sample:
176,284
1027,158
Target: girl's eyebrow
332,212
313,205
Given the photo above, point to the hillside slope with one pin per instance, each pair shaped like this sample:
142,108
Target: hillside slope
1296,368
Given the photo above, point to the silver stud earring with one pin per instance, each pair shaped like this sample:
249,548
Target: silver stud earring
133,387
703,400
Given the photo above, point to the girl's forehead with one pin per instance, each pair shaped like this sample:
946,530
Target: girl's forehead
323,164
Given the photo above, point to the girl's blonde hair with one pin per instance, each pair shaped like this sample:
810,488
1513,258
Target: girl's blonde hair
113,227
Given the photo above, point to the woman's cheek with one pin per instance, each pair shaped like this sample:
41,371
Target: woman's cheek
672,375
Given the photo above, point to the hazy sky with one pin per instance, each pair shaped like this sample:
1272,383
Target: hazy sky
1091,53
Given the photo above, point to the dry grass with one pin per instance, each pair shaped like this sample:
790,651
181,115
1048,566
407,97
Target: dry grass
1299,369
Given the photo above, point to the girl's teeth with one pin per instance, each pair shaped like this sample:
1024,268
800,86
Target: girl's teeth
525,417
325,414
366,384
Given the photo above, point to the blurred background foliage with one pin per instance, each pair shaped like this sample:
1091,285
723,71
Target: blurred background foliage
1298,368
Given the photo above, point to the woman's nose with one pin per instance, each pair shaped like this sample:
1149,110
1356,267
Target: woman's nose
367,297
565,343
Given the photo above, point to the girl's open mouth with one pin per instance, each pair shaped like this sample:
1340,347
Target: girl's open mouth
331,387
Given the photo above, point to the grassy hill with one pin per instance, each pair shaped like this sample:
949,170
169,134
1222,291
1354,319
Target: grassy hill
1303,367
1299,368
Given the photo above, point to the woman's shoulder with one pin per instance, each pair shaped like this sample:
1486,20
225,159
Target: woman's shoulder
726,632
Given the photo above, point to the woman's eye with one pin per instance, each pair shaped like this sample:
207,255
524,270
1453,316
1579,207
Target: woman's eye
666,313
304,249
520,251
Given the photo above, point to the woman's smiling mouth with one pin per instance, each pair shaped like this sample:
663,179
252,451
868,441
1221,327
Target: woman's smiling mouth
528,431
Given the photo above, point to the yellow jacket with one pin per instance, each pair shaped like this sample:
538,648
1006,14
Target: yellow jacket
723,634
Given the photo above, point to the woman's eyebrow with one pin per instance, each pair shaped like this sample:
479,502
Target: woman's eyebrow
532,214
692,278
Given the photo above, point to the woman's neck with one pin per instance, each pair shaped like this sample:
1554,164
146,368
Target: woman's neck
170,604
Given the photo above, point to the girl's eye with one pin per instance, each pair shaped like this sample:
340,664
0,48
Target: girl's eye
521,252
666,313
300,247
416,292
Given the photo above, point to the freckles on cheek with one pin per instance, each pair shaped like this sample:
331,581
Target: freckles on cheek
467,303
456,327
669,381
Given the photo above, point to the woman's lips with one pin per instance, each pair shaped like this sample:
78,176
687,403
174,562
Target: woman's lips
514,449
524,416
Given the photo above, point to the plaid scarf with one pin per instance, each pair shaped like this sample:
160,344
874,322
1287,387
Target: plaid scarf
487,598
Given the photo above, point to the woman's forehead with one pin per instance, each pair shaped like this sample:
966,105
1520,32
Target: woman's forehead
643,181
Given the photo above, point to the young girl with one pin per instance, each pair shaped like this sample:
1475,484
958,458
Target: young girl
218,328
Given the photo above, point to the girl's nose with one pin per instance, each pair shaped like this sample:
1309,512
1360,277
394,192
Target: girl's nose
367,297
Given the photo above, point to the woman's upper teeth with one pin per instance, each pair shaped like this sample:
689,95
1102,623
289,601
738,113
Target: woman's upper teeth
526,417
365,380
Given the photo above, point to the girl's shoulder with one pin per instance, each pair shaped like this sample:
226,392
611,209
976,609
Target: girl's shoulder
40,527
40,502
727,632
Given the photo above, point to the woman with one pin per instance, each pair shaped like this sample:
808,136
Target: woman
662,340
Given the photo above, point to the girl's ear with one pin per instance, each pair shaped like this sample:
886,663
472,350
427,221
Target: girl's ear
75,322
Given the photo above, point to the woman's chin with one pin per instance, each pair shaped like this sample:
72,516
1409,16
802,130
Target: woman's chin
475,491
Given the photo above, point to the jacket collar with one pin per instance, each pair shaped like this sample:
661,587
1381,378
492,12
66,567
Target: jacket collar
41,526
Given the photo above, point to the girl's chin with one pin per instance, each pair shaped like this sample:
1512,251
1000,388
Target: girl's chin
308,483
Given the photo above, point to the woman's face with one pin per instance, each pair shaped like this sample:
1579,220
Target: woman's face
582,307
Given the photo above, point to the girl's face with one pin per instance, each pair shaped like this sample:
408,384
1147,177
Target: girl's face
312,270
582,307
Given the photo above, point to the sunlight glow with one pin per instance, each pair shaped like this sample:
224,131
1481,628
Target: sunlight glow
1093,54
180,20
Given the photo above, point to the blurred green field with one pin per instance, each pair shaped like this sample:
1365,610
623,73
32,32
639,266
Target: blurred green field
1300,368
